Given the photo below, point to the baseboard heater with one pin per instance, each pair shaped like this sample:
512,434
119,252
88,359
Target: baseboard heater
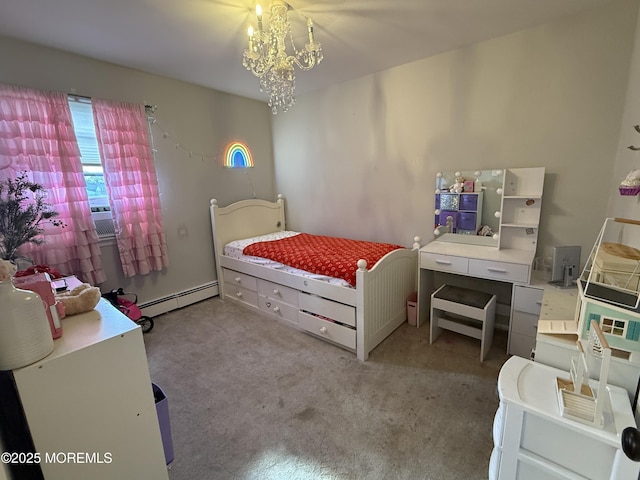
178,300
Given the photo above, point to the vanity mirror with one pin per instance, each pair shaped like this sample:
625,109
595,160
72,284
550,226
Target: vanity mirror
468,205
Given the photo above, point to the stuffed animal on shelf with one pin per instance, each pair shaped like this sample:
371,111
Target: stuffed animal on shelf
81,299
458,186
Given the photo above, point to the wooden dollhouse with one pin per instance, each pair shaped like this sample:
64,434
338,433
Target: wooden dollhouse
609,288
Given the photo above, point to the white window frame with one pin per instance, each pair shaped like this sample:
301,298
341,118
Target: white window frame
84,127
616,327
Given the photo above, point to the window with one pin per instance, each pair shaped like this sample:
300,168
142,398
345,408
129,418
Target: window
84,126
35,127
614,326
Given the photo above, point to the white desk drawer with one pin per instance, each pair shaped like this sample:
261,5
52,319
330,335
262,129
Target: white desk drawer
507,272
239,279
521,345
444,263
527,299
524,323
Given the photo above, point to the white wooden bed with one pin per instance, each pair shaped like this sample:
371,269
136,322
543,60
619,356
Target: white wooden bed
364,315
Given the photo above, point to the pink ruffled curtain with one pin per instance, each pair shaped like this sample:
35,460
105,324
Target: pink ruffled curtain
37,136
130,175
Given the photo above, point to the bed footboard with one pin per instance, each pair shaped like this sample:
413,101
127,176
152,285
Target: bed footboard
382,295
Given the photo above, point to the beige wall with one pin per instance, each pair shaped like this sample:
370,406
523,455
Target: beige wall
199,119
360,159
627,160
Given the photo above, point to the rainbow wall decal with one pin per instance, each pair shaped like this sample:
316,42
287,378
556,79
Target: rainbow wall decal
238,155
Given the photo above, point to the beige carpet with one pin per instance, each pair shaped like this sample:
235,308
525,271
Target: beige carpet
251,398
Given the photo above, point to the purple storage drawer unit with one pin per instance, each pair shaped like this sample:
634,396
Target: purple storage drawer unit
468,202
449,201
467,221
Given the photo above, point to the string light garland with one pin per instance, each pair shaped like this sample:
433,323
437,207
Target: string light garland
150,110
153,123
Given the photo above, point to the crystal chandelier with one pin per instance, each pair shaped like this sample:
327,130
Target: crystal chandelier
268,60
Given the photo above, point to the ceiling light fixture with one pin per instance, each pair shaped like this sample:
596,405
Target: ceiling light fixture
268,60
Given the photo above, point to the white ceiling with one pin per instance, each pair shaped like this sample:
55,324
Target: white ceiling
201,41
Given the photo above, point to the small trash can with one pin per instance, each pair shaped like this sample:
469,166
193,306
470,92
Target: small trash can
162,409
412,308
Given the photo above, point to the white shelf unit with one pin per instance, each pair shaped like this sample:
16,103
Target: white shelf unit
520,208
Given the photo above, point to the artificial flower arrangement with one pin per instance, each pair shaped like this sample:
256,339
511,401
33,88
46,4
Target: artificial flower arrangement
23,209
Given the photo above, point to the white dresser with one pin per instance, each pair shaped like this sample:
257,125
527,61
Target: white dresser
89,405
532,441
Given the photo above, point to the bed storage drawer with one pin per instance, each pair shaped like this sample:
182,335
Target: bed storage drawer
280,310
321,306
239,279
242,294
278,292
333,332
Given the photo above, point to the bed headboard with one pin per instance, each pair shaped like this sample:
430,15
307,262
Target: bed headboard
243,219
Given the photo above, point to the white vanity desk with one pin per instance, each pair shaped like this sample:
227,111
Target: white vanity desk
505,265
512,199
505,272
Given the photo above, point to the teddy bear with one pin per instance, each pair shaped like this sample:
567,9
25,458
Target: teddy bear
458,186
81,299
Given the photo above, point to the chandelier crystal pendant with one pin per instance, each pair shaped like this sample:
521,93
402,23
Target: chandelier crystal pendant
268,60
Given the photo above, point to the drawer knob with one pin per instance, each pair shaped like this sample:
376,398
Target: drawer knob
276,309
323,330
238,294
276,291
237,279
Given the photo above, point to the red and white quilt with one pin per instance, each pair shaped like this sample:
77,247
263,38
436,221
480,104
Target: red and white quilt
330,256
